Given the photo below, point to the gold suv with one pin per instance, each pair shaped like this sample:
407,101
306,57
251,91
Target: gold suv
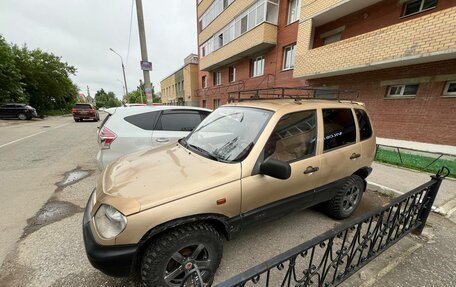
163,212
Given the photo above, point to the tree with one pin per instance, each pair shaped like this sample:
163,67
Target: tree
106,100
10,76
135,96
45,79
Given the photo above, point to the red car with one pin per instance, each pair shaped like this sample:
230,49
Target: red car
85,112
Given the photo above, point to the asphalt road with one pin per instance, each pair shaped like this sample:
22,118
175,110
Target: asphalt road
47,171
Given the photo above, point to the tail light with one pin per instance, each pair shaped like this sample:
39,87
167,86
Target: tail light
92,111
73,110
106,137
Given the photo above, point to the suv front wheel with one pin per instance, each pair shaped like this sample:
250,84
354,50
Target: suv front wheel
170,258
347,198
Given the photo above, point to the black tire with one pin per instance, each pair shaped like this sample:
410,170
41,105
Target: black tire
347,198
22,116
158,259
77,120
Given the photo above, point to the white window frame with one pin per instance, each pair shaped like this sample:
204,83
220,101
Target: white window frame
420,10
217,78
296,5
401,93
216,103
204,82
213,11
447,86
289,63
233,68
258,66
233,30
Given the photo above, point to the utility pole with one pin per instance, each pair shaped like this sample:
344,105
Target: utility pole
142,40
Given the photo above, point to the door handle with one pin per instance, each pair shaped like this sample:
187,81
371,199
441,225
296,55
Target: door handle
311,169
162,140
354,156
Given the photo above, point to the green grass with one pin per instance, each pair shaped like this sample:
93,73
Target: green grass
417,162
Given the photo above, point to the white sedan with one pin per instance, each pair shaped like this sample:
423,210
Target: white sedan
126,130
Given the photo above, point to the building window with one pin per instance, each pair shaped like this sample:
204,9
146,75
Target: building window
416,6
232,73
333,38
289,57
216,8
204,82
258,66
294,10
216,103
402,91
217,78
261,11
205,104
450,89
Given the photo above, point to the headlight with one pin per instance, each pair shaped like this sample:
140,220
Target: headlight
109,221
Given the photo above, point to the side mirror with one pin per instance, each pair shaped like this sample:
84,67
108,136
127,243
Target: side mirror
276,168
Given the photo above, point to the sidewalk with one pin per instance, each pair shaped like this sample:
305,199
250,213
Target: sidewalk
425,260
390,179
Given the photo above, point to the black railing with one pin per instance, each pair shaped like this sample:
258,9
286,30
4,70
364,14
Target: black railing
329,259
415,159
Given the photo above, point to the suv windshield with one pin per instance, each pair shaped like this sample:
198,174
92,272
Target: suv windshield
228,134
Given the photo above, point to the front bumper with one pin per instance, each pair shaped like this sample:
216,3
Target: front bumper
113,260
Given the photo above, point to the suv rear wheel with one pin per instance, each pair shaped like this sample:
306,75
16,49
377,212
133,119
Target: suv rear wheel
170,257
347,198
22,116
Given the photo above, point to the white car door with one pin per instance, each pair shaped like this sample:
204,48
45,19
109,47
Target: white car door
175,124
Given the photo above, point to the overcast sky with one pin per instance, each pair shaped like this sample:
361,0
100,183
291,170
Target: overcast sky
82,31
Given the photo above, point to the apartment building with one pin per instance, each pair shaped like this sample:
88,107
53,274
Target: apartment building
180,87
399,56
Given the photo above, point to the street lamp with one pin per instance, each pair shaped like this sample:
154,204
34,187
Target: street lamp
123,87
123,69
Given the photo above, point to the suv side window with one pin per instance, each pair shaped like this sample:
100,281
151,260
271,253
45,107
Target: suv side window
294,137
178,120
339,128
365,129
145,121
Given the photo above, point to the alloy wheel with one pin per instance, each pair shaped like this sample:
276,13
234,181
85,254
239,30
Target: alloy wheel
181,263
351,198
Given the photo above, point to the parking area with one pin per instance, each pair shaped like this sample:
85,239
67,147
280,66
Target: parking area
46,192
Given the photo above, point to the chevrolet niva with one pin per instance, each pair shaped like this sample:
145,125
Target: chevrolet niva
160,213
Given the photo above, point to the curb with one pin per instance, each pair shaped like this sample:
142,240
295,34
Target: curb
442,210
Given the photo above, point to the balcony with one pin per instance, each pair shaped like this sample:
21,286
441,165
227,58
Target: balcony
259,38
425,39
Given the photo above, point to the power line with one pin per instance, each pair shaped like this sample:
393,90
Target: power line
129,35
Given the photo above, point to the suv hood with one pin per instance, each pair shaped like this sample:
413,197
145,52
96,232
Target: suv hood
156,176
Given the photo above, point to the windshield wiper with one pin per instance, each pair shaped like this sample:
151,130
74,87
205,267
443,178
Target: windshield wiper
203,151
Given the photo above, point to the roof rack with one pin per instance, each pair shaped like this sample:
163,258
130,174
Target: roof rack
296,93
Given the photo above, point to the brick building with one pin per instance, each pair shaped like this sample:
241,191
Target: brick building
400,56
180,87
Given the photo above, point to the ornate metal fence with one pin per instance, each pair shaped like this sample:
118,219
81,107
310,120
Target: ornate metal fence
329,259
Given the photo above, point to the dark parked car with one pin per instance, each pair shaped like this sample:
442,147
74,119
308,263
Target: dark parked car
17,111
85,111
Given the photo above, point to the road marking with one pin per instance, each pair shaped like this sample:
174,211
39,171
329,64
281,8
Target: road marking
32,135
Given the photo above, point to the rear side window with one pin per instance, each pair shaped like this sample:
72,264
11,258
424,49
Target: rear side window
145,121
339,128
179,120
83,107
365,128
